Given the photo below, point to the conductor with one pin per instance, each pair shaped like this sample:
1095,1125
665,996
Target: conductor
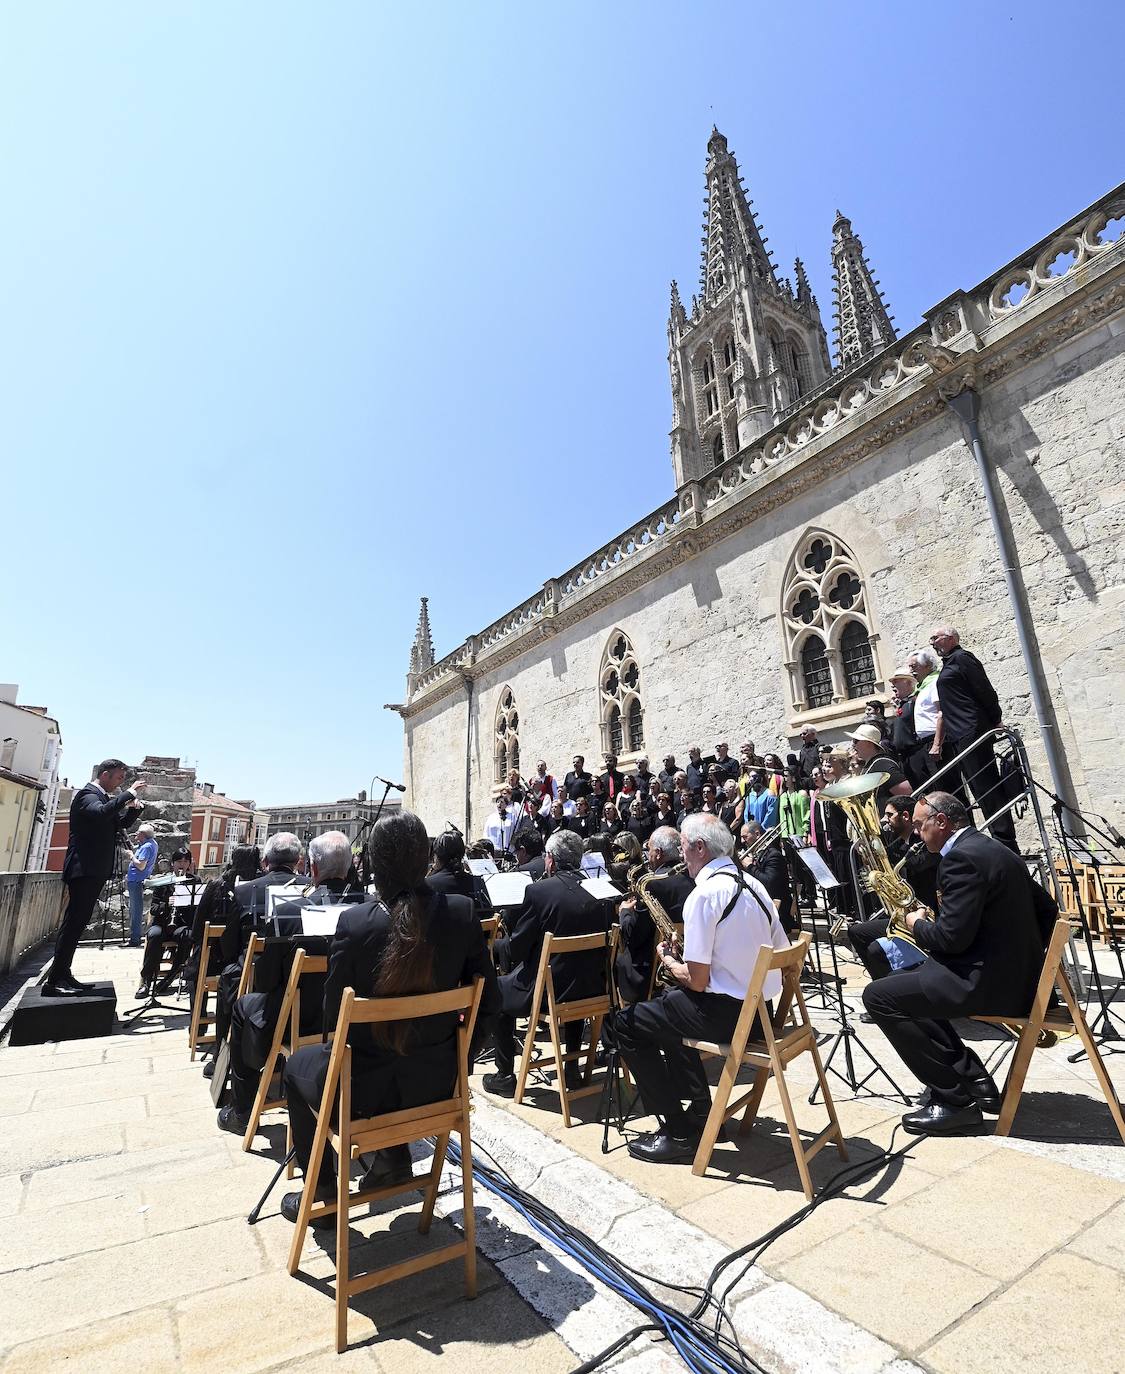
99,810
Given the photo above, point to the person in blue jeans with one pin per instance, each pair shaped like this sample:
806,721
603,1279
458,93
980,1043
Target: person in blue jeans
140,868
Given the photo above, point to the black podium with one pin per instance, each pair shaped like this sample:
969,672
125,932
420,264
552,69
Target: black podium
38,1019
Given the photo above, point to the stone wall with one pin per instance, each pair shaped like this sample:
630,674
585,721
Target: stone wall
707,633
167,799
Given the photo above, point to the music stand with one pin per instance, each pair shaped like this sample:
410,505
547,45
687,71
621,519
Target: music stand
183,896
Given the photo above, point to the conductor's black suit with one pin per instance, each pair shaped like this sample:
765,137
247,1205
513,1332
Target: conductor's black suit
560,905
383,1080
91,850
985,950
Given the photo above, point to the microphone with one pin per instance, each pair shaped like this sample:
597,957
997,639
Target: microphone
398,786
455,828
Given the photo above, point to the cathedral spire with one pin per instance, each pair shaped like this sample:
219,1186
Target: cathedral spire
422,651
731,235
863,323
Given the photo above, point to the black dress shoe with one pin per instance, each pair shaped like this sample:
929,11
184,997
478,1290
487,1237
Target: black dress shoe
141,994
68,980
500,1084
572,1075
209,1069
291,1206
233,1121
392,1165
662,1147
985,1093
61,990
943,1118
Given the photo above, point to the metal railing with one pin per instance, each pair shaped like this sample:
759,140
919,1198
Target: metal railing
30,910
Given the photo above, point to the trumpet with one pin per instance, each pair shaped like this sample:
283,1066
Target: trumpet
856,798
756,848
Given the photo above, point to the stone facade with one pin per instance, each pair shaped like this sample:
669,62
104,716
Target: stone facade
168,801
874,465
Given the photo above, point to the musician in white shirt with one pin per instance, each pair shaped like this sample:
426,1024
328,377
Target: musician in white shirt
728,918
503,823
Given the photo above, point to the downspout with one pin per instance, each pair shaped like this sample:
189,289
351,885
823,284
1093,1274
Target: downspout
966,406
467,679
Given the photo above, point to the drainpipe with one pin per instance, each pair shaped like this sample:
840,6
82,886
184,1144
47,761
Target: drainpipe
966,406
467,679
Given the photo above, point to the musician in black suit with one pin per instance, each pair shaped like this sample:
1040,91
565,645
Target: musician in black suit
560,905
254,1017
169,924
637,945
985,949
410,940
919,869
529,854
448,873
771,868
251,900
98,812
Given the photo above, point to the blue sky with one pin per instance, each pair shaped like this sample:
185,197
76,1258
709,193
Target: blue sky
309,310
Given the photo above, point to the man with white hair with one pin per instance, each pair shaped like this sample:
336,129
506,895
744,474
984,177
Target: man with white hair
970,708
254,1018
633,965
140,867
728,918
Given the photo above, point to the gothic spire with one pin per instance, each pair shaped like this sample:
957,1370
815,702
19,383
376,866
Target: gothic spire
422,651
677,317
731,234
863,323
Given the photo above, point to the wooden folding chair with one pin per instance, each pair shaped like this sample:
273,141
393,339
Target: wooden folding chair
253,947
560,1014
785,1035
287,1038
1067,1017
490,925
350,1138
206,985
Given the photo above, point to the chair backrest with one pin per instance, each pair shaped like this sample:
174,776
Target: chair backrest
789,963
368,1011
555,945
1052,967
253,947
305,965
490,924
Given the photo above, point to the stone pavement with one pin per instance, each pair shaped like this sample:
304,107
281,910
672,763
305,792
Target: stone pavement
124,1243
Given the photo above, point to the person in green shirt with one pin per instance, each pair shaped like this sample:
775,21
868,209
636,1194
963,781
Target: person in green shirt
793,806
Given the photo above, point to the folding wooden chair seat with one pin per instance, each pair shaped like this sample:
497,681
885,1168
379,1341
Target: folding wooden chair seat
287,1038
206,985
560,1014
349,1138
1068,1017
785,1035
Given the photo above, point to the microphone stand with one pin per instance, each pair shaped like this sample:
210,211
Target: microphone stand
365,826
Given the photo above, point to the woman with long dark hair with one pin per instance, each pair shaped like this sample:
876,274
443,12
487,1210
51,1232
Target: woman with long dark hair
409,940
448,873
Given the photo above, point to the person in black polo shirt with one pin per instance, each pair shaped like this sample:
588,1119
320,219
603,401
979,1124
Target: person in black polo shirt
867,745
969,709
577,781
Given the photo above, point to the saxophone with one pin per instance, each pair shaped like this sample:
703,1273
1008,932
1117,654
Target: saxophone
856,798
639,883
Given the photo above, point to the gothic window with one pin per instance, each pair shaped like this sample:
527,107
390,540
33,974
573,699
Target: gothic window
815,673
798,366
826,624
729,357
858,664
717,450
710,391
622,710
506,749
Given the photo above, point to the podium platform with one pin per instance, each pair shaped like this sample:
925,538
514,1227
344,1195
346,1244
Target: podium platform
38,1019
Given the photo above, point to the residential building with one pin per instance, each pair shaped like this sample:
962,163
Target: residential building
31,747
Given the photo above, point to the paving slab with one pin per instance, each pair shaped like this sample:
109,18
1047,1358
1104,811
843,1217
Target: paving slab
139,1341
1064,1315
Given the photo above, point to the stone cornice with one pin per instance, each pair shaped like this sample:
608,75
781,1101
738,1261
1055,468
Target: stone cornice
973,337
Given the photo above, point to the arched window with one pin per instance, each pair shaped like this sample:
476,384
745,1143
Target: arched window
815,673
710,391
826,624
798,366
717,450
857,661
506,749
622,710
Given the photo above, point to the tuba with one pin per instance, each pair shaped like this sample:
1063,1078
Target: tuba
856,798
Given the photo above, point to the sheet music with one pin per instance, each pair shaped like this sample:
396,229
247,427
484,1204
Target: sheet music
322,920
280,894
507,889
601,888
824,876
593,865
481,868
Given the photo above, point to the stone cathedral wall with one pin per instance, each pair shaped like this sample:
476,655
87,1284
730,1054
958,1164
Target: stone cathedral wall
707,633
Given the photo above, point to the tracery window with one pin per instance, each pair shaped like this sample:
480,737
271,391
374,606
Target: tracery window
710,391
622,710
717,450
506,748
826,624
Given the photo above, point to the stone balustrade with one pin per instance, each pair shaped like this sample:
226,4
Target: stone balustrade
30,908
